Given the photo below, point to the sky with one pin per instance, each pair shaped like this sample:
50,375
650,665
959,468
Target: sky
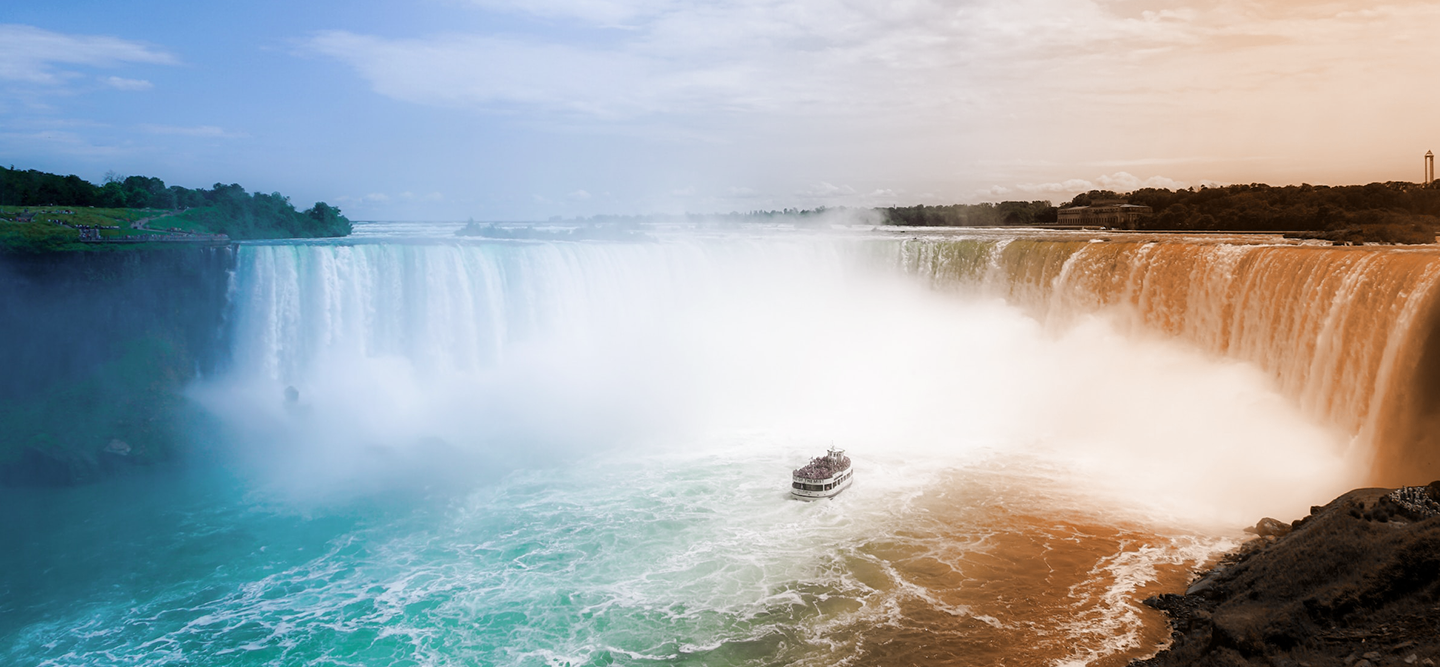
501,110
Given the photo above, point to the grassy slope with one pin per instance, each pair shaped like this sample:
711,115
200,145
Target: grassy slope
185,221
43,234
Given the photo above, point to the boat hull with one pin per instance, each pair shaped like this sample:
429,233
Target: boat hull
819,489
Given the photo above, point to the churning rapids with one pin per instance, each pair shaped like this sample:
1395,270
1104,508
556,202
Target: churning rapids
577,453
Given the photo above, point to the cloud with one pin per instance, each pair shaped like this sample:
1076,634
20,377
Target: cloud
381,199
616,13
1072,185
55,141
493,73
1162,161
198,131
32,55
824,190
1075,82
578,195
825,56
1119,181
813,57
120,83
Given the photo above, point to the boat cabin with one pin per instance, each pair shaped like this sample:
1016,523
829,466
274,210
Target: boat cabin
824,477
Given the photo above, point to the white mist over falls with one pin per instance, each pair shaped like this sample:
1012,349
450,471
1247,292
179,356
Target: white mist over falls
547,353
577,453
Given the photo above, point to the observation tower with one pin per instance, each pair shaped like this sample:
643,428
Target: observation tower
1429,167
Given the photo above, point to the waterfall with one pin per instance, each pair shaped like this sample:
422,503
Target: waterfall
465,307
520,349
1348,333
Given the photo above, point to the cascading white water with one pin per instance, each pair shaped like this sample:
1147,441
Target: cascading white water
546,347
464,307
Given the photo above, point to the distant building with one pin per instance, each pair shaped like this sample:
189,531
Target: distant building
1114,216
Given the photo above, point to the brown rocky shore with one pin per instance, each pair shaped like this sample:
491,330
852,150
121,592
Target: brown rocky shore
1356,583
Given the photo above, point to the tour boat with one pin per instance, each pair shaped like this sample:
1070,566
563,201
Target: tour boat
824,477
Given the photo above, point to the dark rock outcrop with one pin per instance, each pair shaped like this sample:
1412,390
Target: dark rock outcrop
1268,527
62,467
1356,581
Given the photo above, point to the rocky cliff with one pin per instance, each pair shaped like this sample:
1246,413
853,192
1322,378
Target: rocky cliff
1355,583
96,349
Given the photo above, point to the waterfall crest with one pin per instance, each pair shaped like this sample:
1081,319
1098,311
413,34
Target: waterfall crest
1349,333
463,307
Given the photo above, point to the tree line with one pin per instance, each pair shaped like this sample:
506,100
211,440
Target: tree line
1395,212
224,209
818,214
954,215
972,215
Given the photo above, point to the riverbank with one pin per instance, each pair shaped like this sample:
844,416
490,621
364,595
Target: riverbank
1355,583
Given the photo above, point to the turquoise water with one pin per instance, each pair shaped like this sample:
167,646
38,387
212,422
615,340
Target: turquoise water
689,560
647,559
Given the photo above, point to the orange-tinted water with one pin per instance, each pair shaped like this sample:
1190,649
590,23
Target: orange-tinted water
995,566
